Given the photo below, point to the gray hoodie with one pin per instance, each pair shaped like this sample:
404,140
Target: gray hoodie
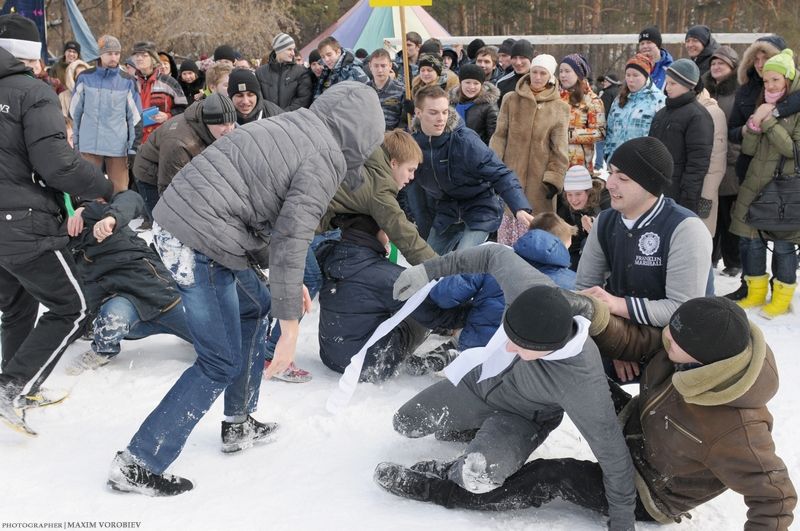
268,183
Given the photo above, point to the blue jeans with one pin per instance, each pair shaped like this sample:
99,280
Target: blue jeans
422,207
599,148
149,194
118,320
226,312
456,236
754,259
312,278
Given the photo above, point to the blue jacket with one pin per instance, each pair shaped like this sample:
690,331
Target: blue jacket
464,177
633,120
540,249
659,73
105,109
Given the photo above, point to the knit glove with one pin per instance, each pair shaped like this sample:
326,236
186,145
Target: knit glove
551,191
409,282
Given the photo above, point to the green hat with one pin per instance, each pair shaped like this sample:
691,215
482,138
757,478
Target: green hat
783,63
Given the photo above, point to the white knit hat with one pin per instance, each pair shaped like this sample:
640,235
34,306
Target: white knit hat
548,62
577,179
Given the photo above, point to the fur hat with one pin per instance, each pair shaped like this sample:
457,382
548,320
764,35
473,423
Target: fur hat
539,319
432,61
473,47
647,161
20,37
710,329
218,109
652,34
640,62
685,72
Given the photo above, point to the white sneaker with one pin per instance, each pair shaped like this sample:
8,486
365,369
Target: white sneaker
88,361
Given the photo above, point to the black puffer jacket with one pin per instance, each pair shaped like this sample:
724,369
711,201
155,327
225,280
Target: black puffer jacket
703,60
481,117
608,95
687,130
122,264
36,164
288,85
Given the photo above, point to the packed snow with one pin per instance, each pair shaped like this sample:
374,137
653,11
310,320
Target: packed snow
317,475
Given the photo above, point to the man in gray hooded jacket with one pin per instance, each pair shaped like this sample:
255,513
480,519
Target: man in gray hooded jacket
250,196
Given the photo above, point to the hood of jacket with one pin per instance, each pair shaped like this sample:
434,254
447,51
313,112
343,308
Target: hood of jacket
746,70
539,247
747,380
707,52
353,114
194,118
665,60
488,94
10,65
723,88
69,77
523,88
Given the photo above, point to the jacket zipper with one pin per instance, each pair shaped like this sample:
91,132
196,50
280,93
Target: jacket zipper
692,436
652,403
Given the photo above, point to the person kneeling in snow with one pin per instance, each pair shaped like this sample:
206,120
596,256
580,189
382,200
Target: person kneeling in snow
548,365
126,286
356,297
699,427
544,247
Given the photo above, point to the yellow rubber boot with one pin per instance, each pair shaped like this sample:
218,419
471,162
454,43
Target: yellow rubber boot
781,298
757,288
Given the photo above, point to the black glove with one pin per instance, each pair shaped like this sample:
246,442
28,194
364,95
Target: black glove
551,191
408,107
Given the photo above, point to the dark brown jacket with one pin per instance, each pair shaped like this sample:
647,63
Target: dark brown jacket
695,433
170,147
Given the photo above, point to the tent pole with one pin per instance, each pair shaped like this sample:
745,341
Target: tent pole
406,66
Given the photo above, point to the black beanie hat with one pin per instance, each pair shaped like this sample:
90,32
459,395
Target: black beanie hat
651,34
243,80
189,66
539,319
472,71
522,48
226,51
218,109
473,47
647,161
701,33
72,45
21,36
776,40
710,329
506,45
430,47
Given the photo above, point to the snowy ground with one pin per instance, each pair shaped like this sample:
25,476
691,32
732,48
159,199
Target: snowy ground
316,476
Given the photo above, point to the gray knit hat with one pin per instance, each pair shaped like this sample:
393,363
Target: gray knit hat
281,42
107,44
685,72
218,109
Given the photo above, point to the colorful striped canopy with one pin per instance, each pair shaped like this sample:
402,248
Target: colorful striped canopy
366,27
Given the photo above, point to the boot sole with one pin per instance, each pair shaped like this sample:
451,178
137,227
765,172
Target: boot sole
19,425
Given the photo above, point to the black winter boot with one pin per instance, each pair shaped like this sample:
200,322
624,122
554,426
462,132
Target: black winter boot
739,294
128,476
243,435
10,413
403,481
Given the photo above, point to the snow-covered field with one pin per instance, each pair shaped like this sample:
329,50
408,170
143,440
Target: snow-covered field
318,473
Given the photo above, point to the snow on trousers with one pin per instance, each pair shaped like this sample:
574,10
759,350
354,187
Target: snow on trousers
226,313
503,443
